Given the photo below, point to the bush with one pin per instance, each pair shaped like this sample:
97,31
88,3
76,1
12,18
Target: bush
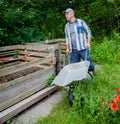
108,51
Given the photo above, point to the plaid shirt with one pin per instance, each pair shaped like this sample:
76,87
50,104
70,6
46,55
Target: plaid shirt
82,32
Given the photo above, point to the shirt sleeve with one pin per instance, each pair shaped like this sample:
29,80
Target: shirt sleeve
87,29
66,34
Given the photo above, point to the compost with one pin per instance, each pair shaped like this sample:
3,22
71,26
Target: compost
15,75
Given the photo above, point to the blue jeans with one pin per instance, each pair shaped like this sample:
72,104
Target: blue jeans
76,56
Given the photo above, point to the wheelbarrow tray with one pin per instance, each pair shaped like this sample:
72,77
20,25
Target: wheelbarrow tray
72,72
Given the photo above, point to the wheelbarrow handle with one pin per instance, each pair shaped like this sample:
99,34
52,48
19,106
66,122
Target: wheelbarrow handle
86,54
68,58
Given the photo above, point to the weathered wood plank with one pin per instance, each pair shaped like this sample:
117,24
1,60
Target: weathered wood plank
49,41
18,92
21,79
28,58
56,41
6,48
37,47
17,108
20,97
8,59
36,54
8,53
33,46
22,66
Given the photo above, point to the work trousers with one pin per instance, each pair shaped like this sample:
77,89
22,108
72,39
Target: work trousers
77,56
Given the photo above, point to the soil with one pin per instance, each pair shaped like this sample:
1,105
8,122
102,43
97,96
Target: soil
12,76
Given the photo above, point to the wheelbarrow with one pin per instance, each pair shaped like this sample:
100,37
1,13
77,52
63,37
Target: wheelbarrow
71,73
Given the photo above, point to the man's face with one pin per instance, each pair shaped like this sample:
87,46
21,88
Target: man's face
68,16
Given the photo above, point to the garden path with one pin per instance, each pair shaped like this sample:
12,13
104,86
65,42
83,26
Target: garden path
40,109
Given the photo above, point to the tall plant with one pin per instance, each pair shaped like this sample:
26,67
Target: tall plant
108,51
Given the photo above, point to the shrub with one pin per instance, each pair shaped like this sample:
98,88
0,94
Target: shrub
108,51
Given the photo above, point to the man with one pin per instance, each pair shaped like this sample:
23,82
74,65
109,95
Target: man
78,36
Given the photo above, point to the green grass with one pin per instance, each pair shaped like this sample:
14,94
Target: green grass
95,94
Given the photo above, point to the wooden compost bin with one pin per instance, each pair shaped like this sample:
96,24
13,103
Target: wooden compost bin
24,70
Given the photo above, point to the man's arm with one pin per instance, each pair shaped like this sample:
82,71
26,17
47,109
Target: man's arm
89,33
67,43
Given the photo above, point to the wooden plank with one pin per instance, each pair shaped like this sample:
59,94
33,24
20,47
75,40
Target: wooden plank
21,79
6,65
56,41
33,46
17,108
48,64
22,66
30,46
37,47
28,58
8,59
20,97
53,40
18,92
6,48
7,53
36,54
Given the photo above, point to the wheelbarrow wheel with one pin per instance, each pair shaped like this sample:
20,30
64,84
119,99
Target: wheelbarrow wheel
70,98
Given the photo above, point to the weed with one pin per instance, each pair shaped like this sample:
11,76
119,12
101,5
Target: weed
50,80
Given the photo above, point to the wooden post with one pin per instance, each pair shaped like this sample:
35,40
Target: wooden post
57,53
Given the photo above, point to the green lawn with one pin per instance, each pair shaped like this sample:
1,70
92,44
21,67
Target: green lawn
97,98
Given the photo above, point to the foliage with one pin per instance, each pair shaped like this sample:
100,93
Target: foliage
103,22
96,95
18,26
50,79
35,20
108,51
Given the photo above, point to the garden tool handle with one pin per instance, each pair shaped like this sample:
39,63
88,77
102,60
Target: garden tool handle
68,56
86,54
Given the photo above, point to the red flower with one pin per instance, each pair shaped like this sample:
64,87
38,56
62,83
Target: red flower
114,106
115,100
118,90
118,98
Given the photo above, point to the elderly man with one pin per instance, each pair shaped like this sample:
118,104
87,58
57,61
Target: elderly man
78,36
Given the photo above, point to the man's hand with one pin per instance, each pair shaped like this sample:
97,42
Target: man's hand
88,43
67,49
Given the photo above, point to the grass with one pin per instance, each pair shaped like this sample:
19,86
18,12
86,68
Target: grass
97,95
